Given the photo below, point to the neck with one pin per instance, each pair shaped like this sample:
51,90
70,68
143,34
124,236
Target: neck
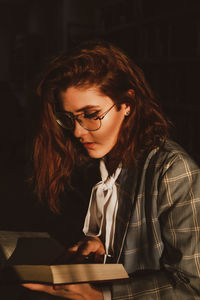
111,164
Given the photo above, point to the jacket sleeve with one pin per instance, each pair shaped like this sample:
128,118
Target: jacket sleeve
179,219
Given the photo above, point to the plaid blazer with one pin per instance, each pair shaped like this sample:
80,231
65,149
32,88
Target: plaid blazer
158,227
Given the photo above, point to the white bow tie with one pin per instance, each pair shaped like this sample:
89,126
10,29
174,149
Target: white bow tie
102,210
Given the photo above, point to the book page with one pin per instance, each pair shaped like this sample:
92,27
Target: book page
87,273
8,240
27,273
62,274
36,251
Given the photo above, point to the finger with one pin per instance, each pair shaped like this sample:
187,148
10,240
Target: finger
57,287
66,287
91,246
55,290
70,255
75,288
74,248
66,257
72,291
100,248
39,287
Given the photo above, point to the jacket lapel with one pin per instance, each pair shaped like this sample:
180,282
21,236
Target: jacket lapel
126,183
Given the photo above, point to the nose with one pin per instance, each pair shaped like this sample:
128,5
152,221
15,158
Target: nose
79,131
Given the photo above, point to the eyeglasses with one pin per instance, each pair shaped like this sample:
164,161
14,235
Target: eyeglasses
90,120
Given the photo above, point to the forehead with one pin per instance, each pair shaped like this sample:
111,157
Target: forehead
74,99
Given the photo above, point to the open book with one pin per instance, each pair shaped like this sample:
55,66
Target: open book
31,256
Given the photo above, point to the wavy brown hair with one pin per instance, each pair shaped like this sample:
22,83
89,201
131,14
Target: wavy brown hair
99,64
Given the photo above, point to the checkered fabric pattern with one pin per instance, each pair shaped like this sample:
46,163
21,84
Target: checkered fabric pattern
157,234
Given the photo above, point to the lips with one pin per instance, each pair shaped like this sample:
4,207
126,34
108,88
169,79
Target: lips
89,145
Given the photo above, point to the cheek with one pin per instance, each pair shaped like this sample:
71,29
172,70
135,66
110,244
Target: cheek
109,131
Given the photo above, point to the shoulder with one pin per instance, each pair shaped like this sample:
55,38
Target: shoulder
173,176
167,172
168,161
171,158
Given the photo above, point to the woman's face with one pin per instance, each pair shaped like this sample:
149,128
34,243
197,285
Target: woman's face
79,100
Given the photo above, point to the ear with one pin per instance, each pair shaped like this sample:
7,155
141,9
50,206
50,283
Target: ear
131,92
126,108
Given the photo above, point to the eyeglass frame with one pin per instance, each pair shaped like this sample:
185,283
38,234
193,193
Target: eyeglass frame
75,118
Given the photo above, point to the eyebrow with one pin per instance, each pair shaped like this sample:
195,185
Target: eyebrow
82,108
87,107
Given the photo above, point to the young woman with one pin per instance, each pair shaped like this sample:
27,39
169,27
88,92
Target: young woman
99,115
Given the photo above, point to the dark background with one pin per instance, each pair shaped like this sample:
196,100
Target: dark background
163,37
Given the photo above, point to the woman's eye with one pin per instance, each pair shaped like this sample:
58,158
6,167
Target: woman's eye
91,115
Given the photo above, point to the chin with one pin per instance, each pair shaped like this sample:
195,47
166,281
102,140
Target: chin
97,154
94,155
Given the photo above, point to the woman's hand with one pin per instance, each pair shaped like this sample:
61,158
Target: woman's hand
82,251
77,254
72,291
84,248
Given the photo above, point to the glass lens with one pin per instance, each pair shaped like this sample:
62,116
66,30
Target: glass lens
89,123
65,121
